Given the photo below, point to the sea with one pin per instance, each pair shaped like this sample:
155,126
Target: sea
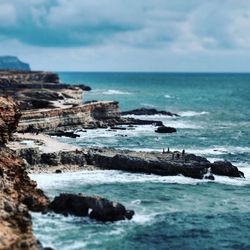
170,212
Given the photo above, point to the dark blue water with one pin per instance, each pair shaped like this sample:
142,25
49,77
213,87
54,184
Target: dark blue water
171,212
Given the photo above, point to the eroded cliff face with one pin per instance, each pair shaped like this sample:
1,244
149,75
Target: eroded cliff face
18,193
39,89
91,115
16,76
9,117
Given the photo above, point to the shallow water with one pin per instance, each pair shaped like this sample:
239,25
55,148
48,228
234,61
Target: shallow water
171,212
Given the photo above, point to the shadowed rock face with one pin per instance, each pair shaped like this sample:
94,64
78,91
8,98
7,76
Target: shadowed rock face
80,205
18,191
9,117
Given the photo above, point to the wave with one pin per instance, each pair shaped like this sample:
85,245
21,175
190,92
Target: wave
220,150
98,177
116,92
168,96
192,113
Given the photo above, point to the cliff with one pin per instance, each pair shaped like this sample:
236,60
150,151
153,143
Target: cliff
12,62
92,115
9,117
18,193
17,76
39,89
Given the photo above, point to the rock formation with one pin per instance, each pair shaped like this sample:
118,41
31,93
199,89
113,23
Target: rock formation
12,62
146,111
95,207
164,129
165,164
39,89
9,117
18,192
92,115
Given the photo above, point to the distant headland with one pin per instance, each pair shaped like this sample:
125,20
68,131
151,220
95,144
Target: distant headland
13,63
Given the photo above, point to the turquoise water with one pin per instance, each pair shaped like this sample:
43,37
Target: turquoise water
171,212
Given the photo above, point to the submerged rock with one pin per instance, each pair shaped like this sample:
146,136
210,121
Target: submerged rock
93,206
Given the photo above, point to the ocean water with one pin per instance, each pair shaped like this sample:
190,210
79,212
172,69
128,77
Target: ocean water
171,212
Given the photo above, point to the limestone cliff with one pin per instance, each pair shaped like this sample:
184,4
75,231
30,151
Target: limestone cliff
39,89
18,192
98,114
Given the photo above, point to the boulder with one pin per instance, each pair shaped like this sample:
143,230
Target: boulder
164,129
93,206
225,168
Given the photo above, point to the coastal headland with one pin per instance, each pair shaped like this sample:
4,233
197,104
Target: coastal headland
43,107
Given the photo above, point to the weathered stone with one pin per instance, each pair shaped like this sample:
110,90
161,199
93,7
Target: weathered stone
164,129
18,192
80,205
225,168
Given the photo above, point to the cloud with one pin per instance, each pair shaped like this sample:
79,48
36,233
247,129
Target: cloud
180,25
126,31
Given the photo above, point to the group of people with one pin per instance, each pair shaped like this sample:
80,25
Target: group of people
175,155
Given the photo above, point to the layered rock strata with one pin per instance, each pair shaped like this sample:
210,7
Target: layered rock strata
99,114
39,89
18,193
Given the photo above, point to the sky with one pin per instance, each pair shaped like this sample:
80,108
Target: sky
128,35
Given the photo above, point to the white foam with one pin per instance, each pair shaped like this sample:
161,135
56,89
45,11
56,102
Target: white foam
168,96
192,113
219,150
116,92
97,177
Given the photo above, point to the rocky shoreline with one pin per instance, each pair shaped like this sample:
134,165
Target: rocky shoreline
164,164
19,194
60,109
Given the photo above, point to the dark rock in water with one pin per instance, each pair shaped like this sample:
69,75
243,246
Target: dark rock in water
12,62
58,171
63,133
165,164
117,128
163,129
80,205
159,167
132,121
146,111
225,168
209,177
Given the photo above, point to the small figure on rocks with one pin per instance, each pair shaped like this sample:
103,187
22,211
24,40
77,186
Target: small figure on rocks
168,150
183,152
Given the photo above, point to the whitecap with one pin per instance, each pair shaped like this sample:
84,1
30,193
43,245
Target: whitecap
219,150
116,92
192,113
168,96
